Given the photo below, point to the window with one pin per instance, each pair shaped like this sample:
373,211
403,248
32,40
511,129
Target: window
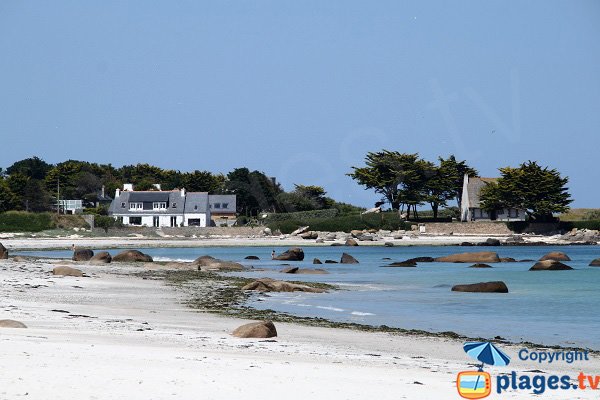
196,207
136,206
194,222
217,205
159,205
174,205
225,205
135,220
123,205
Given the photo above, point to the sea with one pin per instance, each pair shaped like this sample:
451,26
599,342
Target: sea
544,307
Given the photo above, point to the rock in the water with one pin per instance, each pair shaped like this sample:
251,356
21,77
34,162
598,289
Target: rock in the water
401,264
271,285
507,259
550,265
207,263
482,287
11,323
251,258
480,257
595,263
420,259
259,330
556,256
348,259
290,270
102,257
317,261
351,242
3,252
82,255
304,271
293,254
466,244
132,256
480,265
320,240
67,271
337,244
491,242
309,235
388,244
330,262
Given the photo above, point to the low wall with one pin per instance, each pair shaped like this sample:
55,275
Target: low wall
467,228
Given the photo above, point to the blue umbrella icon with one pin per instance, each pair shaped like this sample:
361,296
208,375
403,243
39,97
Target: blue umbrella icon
487,353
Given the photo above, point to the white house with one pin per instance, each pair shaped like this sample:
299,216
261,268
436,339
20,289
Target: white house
471,205
164,208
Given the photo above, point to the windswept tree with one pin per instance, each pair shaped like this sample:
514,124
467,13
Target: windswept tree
391,174
538,190
454,172
254,190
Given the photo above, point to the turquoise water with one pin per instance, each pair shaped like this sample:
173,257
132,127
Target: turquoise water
549,307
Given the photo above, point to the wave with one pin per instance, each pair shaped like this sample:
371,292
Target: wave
361,314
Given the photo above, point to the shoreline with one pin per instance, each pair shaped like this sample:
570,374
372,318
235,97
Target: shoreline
121,333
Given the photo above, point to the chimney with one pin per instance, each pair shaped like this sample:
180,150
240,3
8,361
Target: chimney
103,191
117,193
182,192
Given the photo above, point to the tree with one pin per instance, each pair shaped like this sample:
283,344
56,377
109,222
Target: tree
539,191
454,171
391,174
34,168
8,200
203,181
254,190
438,186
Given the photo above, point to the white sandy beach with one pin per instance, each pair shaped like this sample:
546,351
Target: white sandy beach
115,336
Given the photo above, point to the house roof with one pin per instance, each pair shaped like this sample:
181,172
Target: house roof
474,189
229,199
148,196
196,202
171,198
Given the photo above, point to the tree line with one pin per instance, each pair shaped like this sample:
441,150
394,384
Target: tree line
35,185
406,181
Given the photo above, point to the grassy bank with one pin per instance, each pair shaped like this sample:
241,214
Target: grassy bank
21,221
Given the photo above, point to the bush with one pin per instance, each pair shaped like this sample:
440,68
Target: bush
388,221
106,222
21,221
300,215
592,225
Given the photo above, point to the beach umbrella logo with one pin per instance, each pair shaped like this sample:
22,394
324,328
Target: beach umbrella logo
478,384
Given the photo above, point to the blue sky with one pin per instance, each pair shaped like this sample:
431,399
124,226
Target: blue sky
303,89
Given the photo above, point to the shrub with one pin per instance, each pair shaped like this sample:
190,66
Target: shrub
21,221
300,215
388,221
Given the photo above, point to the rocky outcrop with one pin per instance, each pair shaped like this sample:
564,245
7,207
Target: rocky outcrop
271,285
317,261
351,242
290,270
595,263
348,259
11,323
82,255
251,258
420,259
67,271
330,262
480,266
3,252
401,264
258,330
208,263
555,256
102,257
550,265
491,242
311,235
366,238
132,256
479,257
388,244
482,287
293,254
299,231
507,259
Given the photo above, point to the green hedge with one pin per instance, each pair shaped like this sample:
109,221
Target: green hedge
301,215
388,221
521,226
19,221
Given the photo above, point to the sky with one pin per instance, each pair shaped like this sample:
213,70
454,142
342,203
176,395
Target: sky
302,90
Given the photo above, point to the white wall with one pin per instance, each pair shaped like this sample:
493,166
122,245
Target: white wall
200,216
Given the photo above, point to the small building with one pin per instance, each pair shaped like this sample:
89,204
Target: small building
165,208
470,208
223,209
70,206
